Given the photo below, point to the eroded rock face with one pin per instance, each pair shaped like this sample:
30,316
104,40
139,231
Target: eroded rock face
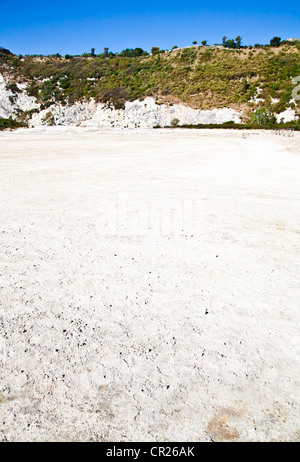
136,114
144,114
286,116
12,103
149,114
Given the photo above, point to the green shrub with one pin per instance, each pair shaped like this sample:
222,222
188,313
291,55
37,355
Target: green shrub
48,119
174,122
10,124
260,116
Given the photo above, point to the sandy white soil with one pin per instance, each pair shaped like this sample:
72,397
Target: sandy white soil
110,331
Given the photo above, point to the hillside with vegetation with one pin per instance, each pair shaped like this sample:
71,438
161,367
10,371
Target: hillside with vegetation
255,80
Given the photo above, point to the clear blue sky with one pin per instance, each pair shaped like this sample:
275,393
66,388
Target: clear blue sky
54,26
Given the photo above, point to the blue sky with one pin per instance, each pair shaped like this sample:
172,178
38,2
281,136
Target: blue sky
53,26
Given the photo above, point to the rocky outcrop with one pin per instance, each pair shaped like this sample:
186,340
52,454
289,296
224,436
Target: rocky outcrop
136,114
144,114
14,102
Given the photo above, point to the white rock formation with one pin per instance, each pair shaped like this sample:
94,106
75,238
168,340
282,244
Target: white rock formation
144,114
11,104
136,114
286,116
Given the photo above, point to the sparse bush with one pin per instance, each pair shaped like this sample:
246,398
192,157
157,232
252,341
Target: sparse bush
5,51
275,41
155,50
48,119
260,116
175,122
13,87
10,124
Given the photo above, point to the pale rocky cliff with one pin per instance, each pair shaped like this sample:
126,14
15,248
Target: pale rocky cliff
143,114
12,103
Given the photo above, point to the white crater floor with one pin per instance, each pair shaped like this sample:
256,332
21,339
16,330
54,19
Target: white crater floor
149,285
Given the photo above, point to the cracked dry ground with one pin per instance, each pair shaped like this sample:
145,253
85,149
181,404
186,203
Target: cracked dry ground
182,334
